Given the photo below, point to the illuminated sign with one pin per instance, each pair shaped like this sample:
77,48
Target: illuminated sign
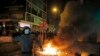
22,24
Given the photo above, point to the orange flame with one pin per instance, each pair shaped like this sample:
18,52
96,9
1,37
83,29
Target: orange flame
49,50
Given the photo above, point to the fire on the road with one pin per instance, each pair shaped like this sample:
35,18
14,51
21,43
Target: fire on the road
49,50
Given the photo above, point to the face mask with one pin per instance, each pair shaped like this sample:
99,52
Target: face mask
26,31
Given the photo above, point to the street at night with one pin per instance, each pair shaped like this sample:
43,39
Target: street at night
49,28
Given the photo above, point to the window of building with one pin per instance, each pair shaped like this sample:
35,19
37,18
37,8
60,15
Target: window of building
28,7
44,8
30,18
34,11
40,14
10,25
44,16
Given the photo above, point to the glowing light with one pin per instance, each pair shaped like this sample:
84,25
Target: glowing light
49,50
55,9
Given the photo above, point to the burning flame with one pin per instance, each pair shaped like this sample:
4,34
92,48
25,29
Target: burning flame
49,50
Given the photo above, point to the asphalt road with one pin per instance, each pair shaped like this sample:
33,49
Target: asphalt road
9,49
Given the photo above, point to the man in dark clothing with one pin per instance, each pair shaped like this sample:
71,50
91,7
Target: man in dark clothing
26,41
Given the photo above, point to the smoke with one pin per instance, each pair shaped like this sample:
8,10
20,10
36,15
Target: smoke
80,19
77,22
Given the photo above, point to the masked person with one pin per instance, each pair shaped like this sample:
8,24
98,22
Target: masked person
26,41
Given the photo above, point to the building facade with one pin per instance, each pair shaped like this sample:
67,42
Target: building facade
28,12
36,11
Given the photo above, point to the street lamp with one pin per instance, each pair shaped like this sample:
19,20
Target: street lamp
55,9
